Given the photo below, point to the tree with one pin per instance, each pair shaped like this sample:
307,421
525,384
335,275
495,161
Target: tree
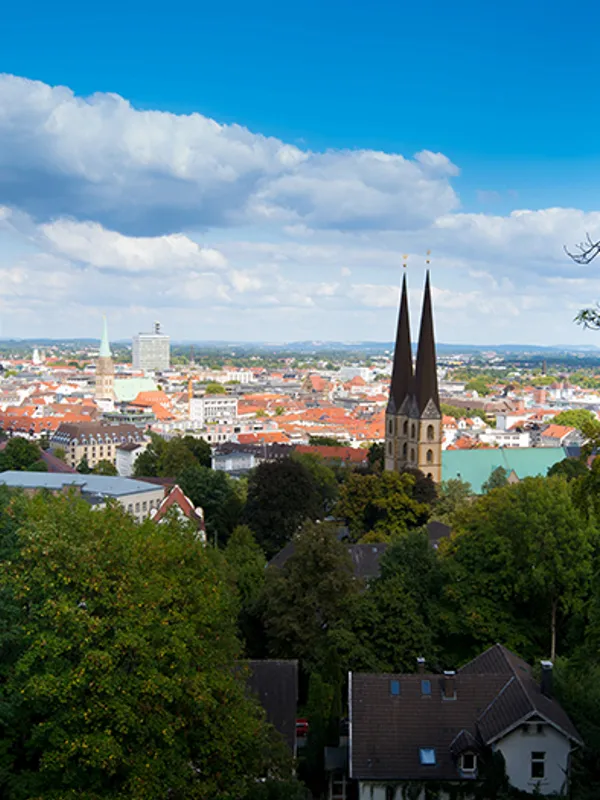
309,595
60,453
218,495
166,459
323,478
247,562
453,494
381,503
479,384
175,457
574,418
105,467
424,489
83,467
146,465
20,454
326,441
200,449
120,679
569,468
215,388
497,479
376,456
281,495
522,557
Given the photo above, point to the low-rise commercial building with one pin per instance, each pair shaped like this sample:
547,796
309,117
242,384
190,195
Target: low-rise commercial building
93,441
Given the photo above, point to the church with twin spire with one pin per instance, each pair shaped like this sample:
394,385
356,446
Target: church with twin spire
413,419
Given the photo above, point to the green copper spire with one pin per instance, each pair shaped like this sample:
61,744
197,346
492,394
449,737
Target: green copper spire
104,346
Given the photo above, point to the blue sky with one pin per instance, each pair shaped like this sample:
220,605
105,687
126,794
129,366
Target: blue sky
504,92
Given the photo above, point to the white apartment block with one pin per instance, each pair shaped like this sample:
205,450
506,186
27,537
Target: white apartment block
151,351
500,438
213,409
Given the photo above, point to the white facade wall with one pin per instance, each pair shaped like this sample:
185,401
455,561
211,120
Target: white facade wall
151,351
125,459
506,438
517,748
347,373
213,408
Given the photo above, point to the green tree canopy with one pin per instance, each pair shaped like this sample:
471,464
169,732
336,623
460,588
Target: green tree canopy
497,479
215,388
281,495
453,494
218,495
20,454
381,503
323,478
570,468
309,595
105,467
521,557
575,418
118,679
167,458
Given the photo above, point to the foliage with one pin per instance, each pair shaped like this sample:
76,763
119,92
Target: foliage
218,495
166,459
574,418
215,388
60,453
118,679
376,456
534,523
424,489
20,454
569,468
461,413
308,595
497,479
105,467
247,567
325,485
83,467
480,384
326,441
281,495
453,494
382,503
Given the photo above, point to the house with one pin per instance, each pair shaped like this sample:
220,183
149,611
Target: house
560,436
126,455
427,728
136,497
176,501
93,441
274,683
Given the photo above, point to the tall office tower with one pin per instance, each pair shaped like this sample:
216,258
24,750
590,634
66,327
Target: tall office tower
152,351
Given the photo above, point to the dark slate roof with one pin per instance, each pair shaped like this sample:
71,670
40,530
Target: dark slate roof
402,372
521,697
426,382
275,684
436,531
365,558
494,693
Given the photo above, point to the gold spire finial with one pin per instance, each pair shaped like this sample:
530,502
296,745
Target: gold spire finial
404,261
428,260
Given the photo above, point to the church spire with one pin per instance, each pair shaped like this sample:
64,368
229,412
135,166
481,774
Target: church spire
426,383
104,345
402,371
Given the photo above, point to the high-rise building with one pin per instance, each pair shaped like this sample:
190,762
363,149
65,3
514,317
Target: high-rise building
413,419
105,370
152,351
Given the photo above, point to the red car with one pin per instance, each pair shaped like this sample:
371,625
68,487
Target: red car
301,728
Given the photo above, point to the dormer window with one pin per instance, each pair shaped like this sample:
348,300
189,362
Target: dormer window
468,763
395,688
426,688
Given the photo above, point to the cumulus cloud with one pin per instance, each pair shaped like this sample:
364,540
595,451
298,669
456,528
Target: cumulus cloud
151,172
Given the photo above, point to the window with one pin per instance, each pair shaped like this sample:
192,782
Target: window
430,433
412,431
429,456
137,508
426,688
412,454
538,764
404,449
427,755
405,427
395,688
144,506
391,426
468,762
130,507
389,448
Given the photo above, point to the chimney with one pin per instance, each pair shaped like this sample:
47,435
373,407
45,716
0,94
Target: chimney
420,665
546,683
449,685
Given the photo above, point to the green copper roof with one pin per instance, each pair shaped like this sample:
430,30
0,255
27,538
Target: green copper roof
104,345
127,389
476,466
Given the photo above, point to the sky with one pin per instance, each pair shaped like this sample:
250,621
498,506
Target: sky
257,171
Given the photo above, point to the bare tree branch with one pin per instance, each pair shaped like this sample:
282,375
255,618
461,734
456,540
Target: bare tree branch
589,318
588,251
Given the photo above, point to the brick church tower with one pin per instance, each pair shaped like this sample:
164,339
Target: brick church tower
413,420
105,371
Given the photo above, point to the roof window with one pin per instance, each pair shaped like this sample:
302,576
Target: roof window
426,688
427,756
395,688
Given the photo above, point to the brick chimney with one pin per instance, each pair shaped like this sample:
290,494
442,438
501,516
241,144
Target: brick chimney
420,665
546,682
449,685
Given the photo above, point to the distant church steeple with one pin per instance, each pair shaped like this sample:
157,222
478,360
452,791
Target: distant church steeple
413,433
105,371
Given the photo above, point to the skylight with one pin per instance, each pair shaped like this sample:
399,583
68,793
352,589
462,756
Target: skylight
395,688
427,755
426,688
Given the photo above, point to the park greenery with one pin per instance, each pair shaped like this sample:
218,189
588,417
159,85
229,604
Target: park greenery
120,640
